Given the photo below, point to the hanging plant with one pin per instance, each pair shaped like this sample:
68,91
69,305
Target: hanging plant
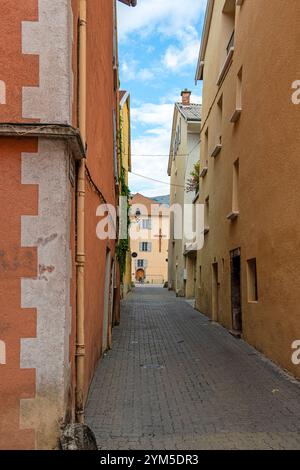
193,183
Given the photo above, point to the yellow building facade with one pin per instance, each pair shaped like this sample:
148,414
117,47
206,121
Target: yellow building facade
149,230
248,272
124,168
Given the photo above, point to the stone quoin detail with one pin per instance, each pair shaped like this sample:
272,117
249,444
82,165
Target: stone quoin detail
2,353
51,39
2,92
49,293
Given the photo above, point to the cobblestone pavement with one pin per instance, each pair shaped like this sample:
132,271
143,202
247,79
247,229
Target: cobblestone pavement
174,380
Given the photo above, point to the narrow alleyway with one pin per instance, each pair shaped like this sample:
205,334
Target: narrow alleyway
174,380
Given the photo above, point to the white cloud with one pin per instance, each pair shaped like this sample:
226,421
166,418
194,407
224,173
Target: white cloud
167,16
131,72
150,151
185,53
154,114
175,20
145,75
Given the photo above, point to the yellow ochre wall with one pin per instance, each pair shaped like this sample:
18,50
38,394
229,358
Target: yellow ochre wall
157,270
126,162
266,140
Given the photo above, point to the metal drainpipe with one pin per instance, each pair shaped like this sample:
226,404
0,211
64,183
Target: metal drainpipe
80,249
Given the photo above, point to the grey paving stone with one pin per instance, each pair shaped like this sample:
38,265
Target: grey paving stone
211,392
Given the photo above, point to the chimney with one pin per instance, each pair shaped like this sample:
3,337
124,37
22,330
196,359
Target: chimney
186,97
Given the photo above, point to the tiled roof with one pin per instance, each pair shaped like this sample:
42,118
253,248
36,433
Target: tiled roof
191,112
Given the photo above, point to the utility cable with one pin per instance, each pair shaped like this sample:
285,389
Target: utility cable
165,155
157,181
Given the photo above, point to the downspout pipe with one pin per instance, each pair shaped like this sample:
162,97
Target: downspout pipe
80,247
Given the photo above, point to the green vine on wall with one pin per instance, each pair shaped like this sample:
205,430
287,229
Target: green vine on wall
123,245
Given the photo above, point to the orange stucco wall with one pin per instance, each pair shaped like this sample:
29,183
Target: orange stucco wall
20,71
15,263
102,98
17,70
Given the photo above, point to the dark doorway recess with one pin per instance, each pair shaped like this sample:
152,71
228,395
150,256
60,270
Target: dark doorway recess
236,296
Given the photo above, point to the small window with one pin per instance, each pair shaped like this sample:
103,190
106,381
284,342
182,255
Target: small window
177,140
235,189
239,98
252,280
206,146
220,115
206,215
147,224
230,44
239,89
218,129
140,263
145,246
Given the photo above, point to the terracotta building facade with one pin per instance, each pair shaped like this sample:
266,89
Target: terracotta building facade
58,139
248,271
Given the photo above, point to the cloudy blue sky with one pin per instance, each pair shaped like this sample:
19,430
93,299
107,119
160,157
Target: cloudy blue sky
159,42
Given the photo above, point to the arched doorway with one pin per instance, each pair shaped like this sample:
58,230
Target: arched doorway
140,275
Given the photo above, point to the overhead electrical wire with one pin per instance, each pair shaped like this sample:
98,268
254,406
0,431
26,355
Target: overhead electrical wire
157,181
165,155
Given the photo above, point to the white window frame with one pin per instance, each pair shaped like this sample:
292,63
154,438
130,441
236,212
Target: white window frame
147,224
145,247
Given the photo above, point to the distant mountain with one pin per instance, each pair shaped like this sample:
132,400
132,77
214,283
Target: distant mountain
162,199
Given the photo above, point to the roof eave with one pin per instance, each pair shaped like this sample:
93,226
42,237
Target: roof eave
130,3
184,116
176,108
124,99
180,111
204,40
129,150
